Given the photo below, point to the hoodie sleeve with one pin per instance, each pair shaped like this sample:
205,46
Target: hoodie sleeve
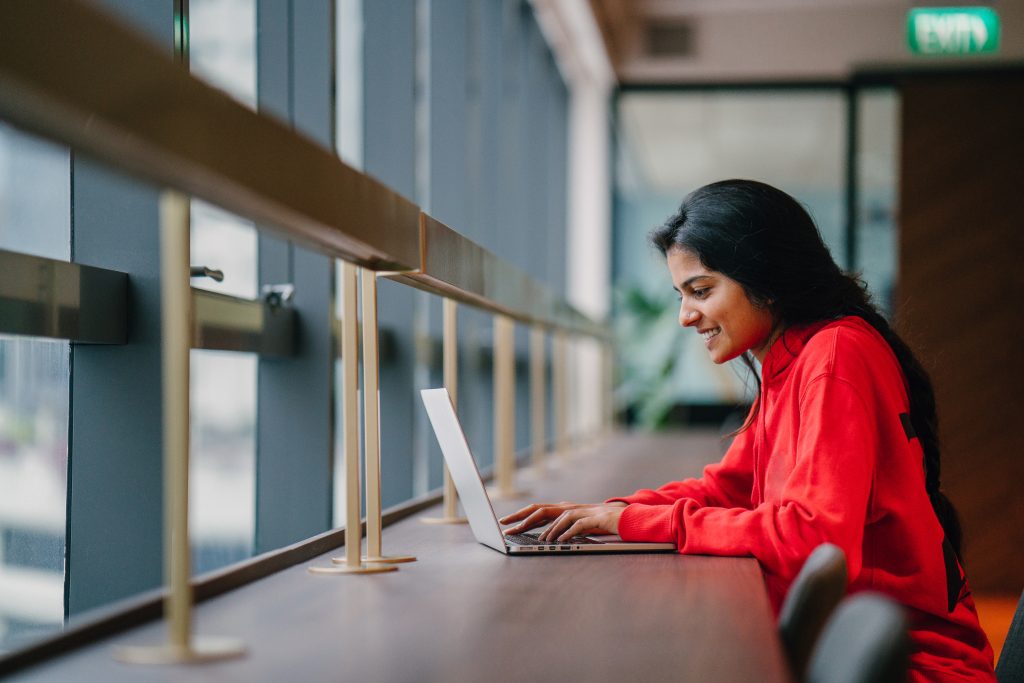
727,483
824,498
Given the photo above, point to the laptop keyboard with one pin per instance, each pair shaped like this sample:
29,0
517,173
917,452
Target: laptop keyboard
530,539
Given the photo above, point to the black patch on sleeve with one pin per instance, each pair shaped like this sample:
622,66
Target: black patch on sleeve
908,426
955,580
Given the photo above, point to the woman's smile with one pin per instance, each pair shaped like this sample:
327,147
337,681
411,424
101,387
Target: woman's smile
709,335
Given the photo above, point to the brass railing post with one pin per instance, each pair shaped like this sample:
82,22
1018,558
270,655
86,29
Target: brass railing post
176,324
450,360
504,408
560,391
353,561
538,391
609,387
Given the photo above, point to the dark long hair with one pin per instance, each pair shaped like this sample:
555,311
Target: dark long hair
766,241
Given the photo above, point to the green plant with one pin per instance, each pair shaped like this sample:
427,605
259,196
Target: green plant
650,354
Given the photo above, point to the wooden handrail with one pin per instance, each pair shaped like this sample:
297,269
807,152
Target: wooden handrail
71,73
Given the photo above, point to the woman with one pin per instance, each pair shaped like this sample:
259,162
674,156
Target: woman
840,445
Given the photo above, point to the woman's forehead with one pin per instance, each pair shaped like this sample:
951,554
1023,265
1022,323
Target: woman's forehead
685,267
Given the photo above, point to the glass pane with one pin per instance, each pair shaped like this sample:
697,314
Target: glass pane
33,486
222,476
672,143
224,242
222,50
877,181
222,45
35,218
35,195
348,80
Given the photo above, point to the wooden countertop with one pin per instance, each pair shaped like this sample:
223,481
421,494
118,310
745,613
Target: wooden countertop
464,612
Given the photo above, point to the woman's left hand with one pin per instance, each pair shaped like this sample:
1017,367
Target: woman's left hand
584,520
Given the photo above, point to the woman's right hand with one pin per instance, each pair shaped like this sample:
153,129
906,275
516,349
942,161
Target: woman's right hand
539,514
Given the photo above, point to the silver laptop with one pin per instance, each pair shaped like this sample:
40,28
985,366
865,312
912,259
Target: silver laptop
478,508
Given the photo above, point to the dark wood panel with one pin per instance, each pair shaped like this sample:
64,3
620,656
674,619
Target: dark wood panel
960,297
464,612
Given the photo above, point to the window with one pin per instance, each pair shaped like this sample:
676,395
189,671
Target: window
35,218
877,183
222,50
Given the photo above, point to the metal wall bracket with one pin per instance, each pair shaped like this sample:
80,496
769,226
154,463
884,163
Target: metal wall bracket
228,323
278,295
42,297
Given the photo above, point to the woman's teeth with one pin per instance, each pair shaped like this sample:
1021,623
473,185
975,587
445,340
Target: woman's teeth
710,334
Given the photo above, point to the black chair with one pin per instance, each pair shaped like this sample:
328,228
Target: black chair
1010,668
865,641
815,592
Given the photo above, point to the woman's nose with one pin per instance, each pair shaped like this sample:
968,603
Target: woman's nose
687,317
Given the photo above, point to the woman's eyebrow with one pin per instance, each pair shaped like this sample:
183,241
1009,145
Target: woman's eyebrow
690,281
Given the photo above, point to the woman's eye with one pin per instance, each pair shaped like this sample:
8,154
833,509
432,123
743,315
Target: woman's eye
700,293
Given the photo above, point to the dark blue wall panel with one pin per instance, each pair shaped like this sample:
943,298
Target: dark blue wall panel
294,425
115,477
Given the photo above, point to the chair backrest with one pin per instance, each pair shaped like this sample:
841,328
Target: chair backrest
815,592
865,641
1011,660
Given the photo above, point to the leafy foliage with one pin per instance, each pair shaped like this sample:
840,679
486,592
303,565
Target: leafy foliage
650,354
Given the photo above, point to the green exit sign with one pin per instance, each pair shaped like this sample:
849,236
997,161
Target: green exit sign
952,30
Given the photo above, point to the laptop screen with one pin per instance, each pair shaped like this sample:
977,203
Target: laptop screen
462,467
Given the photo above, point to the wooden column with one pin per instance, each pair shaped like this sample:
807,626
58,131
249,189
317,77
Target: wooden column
958,297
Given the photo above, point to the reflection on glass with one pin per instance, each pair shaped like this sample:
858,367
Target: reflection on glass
877,180
35,211
222,516
672,143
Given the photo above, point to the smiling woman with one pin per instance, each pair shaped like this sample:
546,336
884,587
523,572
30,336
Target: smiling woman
839,447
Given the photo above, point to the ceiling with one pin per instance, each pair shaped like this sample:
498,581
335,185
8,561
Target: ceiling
697,41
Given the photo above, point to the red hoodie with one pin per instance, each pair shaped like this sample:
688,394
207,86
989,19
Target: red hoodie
828,459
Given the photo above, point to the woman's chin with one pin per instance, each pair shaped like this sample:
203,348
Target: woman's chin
719,356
